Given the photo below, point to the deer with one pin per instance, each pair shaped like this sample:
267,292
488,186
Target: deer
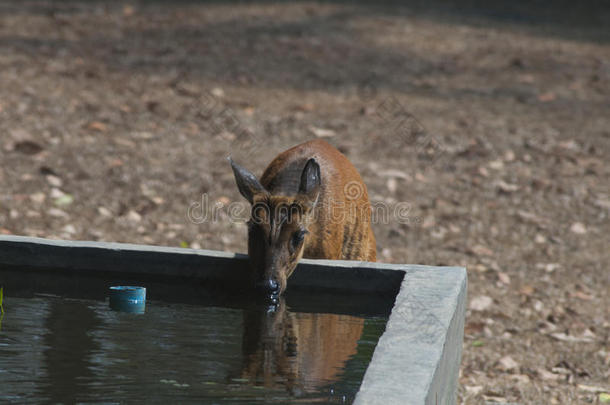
296,352
311,203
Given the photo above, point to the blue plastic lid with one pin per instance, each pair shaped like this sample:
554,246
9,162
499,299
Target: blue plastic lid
128,298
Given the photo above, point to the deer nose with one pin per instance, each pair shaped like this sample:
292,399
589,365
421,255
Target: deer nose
269,285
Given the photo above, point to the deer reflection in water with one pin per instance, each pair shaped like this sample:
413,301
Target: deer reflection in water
296,352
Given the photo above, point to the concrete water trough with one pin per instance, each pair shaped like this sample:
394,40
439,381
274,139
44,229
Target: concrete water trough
416,361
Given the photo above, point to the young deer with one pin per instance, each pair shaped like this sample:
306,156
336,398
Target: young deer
310,202
296,352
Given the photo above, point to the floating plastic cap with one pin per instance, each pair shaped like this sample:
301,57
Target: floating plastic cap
127,298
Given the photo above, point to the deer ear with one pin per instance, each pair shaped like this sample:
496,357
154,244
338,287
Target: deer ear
247,183
310,181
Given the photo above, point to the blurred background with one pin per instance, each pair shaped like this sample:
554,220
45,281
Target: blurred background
482,128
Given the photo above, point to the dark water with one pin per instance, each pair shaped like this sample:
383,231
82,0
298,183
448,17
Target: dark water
55,349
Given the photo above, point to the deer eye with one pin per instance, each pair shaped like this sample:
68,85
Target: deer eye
296,239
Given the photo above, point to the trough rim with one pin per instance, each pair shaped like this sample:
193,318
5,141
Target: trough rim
407,367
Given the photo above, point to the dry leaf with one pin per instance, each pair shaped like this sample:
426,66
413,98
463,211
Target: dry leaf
496,164
592,388
224,200
97,126
561,370
103,211
588,333
322,132
54,180
547,375
527,290
115,163
504,278
57,213
306,107
507,363
570,338
548,267
133,216
480,303
128,10
473,390
56,193
70,229
480,250
38,198
494,398
218,92
533,218
578,228
125,142
474,328
581,295
395,173
392,185
506,187
546,97
142,135
420,177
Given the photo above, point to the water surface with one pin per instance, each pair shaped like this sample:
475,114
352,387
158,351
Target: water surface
55,349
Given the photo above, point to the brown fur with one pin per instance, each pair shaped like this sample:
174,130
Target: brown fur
336,214
297,351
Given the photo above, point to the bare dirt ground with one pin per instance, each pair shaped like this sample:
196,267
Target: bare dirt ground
482,131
